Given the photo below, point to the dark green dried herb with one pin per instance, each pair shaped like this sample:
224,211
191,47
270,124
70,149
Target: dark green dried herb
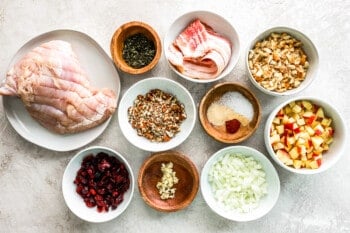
138,50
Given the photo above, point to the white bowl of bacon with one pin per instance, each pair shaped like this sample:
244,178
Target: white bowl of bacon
211,59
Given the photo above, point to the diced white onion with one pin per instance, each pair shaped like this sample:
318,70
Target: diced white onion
238,182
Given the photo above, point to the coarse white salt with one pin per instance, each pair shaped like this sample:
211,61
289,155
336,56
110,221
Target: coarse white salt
238,103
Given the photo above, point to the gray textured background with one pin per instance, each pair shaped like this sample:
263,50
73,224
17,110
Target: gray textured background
30,177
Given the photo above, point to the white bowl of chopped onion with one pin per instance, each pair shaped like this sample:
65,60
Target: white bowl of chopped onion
281,61
240,184
198,48
156,114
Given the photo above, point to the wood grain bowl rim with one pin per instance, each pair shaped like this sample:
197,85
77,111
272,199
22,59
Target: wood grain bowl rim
131,28
191,168
207,126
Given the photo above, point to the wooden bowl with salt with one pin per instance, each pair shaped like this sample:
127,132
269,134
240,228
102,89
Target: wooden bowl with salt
129,30
150,174
229,112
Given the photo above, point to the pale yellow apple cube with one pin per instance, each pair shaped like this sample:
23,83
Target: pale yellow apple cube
278,146
301,121
317,141
309,130
313,164
326,122
297,164
308,114
275,138
280,129
276,121
294,153
320,113
307,104
296,108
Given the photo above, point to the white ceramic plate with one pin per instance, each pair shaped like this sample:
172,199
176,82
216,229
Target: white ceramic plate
141,88
101,72
266,203
76,203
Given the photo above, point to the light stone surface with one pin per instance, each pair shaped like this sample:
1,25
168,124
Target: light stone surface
30,177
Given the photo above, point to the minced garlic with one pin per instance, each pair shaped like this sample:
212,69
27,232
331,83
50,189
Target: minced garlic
165,186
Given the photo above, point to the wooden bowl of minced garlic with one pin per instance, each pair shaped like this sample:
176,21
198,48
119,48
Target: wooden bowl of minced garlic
168,181
229,112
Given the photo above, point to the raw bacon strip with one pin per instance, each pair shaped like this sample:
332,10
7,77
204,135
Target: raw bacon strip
56,91
199,52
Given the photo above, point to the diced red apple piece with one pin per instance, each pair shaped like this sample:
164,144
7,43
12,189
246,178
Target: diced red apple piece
318,127
310,120
289,126
284,157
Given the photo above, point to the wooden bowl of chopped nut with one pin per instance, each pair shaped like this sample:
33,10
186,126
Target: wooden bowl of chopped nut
229,112
135,47
168,181
282,61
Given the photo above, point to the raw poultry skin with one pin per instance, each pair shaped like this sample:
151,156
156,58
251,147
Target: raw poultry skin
56,91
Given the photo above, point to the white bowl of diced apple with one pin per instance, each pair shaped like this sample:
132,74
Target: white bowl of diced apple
305,135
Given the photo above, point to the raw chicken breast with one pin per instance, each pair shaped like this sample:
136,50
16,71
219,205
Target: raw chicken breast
56,91
199,52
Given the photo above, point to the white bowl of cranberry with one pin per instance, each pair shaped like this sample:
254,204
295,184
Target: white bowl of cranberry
98,184
305,135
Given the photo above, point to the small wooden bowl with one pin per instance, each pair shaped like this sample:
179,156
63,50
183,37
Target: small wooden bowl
186,188
219,132
117,44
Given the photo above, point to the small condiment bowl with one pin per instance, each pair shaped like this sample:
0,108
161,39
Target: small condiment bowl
309,49
265,204
219,25
76,203
117,45
336,148
219,132
141,88
150,174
